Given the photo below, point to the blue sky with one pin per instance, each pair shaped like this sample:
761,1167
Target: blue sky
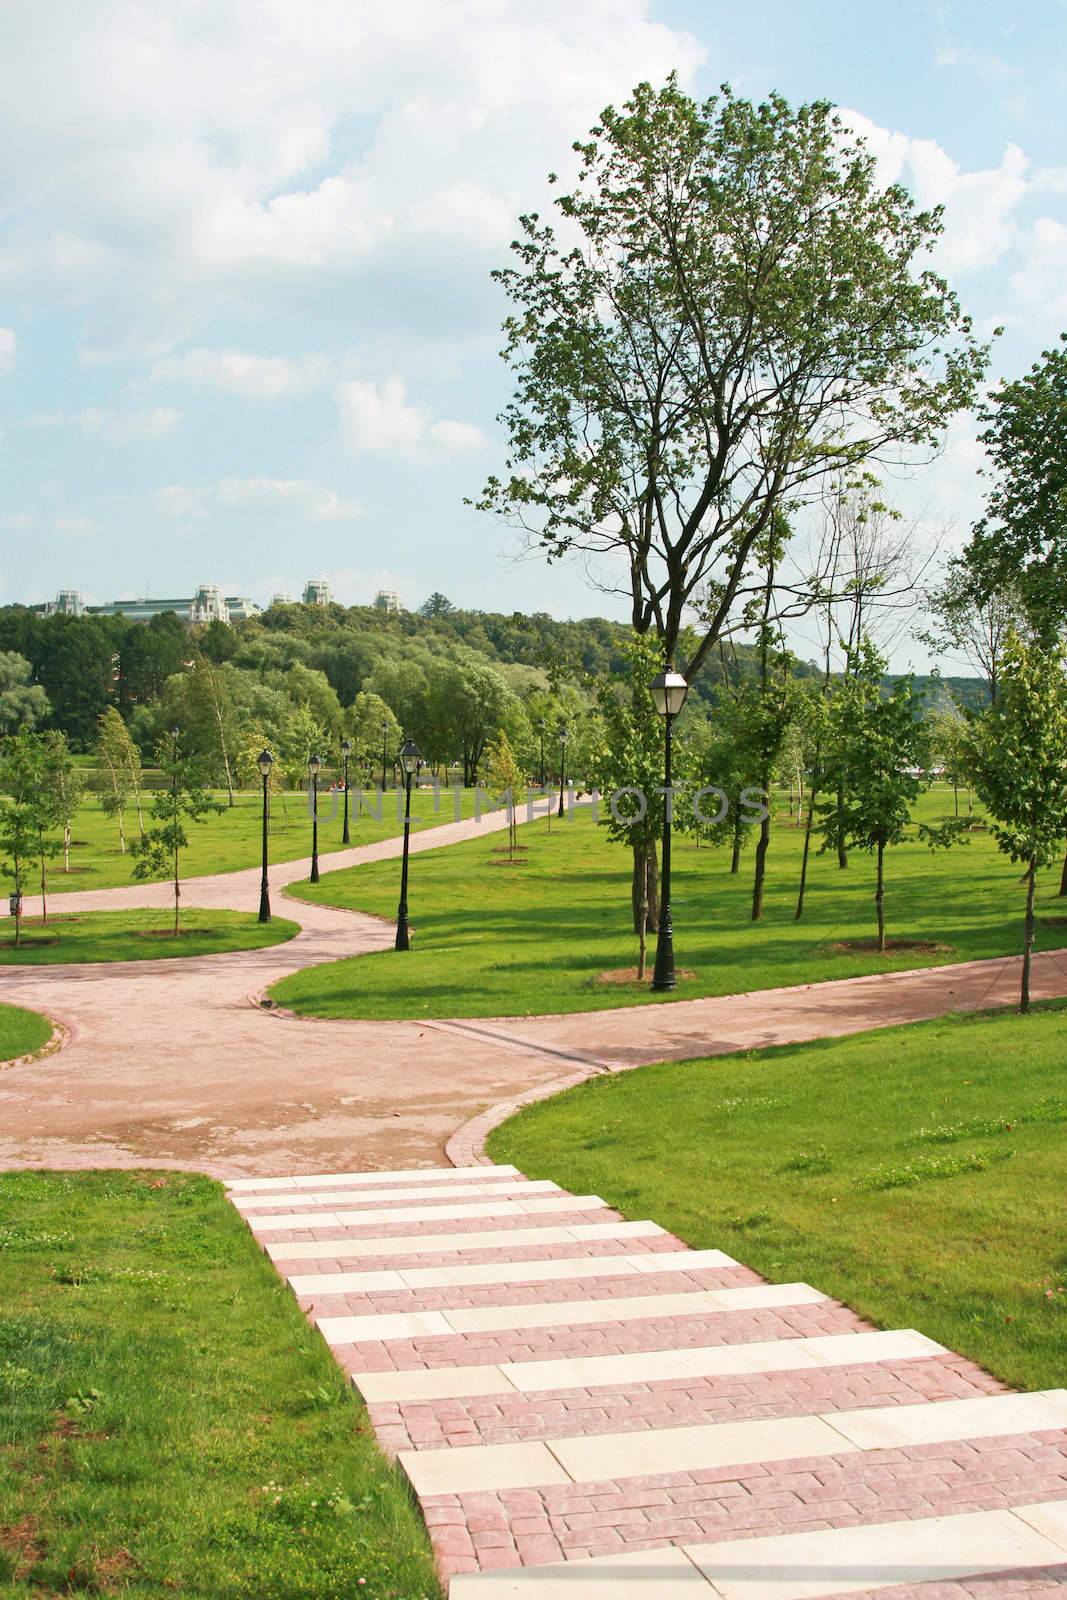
246,330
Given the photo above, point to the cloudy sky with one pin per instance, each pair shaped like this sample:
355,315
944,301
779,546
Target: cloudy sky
247,334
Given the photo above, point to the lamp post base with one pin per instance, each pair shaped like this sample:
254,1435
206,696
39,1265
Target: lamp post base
663,975
264,905
403,931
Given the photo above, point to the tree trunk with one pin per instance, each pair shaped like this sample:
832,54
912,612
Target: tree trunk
177,893
122,832
760,873
1028,939
641,908
644,888
66,847
956,798
735,856
652,887
44,883
879,896
807,851
1063,877
842,853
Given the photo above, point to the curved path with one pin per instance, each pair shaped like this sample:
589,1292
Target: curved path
174,1063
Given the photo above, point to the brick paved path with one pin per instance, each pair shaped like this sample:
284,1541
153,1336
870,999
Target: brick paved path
586,1407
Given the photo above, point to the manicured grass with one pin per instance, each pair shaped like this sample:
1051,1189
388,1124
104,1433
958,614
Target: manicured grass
916,1173
21,1032
137,936
233,839
495,940
169,1424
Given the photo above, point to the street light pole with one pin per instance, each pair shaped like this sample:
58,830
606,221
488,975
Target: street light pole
313,767
563,737
265,761
541,731
410,761
669,690
346,751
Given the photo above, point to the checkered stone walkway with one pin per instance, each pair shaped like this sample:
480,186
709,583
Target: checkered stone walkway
586,1407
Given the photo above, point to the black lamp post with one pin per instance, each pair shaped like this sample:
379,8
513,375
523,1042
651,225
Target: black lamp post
669,690
541,731
410,761
346,751
563,737
264,761
385,735
313,768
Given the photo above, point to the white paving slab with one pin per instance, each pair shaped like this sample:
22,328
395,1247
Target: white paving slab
883,1427
455,1243
568,1313
511,1272
639,1575
715,1361
375,1216
487,1466
591,1372
318,1180
801,1566
341,1197
1049,1519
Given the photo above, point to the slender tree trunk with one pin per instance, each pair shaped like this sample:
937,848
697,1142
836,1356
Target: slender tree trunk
956,798
122,832
879,896
1063,877
140,813
641,908
177,892
652,887
842,853
762,846
807,851
44,881
66,847
17,864
1028,938
644,888
735,854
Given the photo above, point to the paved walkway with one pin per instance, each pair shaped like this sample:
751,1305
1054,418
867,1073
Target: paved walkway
584,1406
173,1063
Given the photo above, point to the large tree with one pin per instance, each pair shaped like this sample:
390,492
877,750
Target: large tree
733,311
23,703
1020,545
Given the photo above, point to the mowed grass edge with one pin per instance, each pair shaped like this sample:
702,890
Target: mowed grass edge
916,1173
22,1032
169,1422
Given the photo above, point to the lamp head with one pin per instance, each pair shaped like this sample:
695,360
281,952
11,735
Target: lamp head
314,765
669,690
410,757
264,761
346,747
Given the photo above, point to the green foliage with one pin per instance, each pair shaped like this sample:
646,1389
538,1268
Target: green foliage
1020,544
23,703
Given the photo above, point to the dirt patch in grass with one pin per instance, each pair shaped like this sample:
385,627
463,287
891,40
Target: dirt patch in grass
628,976
510,861
915,947
19,1546
1053,922
504,849
183,933
25,943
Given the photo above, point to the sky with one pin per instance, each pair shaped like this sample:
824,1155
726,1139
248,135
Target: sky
247,330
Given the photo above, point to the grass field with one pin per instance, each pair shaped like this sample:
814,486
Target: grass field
233,839
169,1423
137,936
916,1173
21,1032
551,935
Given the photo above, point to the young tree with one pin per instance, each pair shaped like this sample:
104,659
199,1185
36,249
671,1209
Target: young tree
504,776
66,786
182,800
970,623
209,718
118,774
738,312
876,745
813,723
19,785
1018,754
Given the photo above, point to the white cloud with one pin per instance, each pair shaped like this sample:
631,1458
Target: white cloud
981,208
251,376
76,527
121,427
180,502
16,520
377,419
8,348
302,495
1040,284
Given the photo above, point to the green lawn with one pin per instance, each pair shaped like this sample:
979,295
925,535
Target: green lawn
21,1032
169,1423
233,838
496,940
137,936
916,1173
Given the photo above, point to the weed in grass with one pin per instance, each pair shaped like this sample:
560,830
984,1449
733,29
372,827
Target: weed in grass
929,1169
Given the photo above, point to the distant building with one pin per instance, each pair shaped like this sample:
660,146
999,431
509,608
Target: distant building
282,600
317,592
387,600
208,604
